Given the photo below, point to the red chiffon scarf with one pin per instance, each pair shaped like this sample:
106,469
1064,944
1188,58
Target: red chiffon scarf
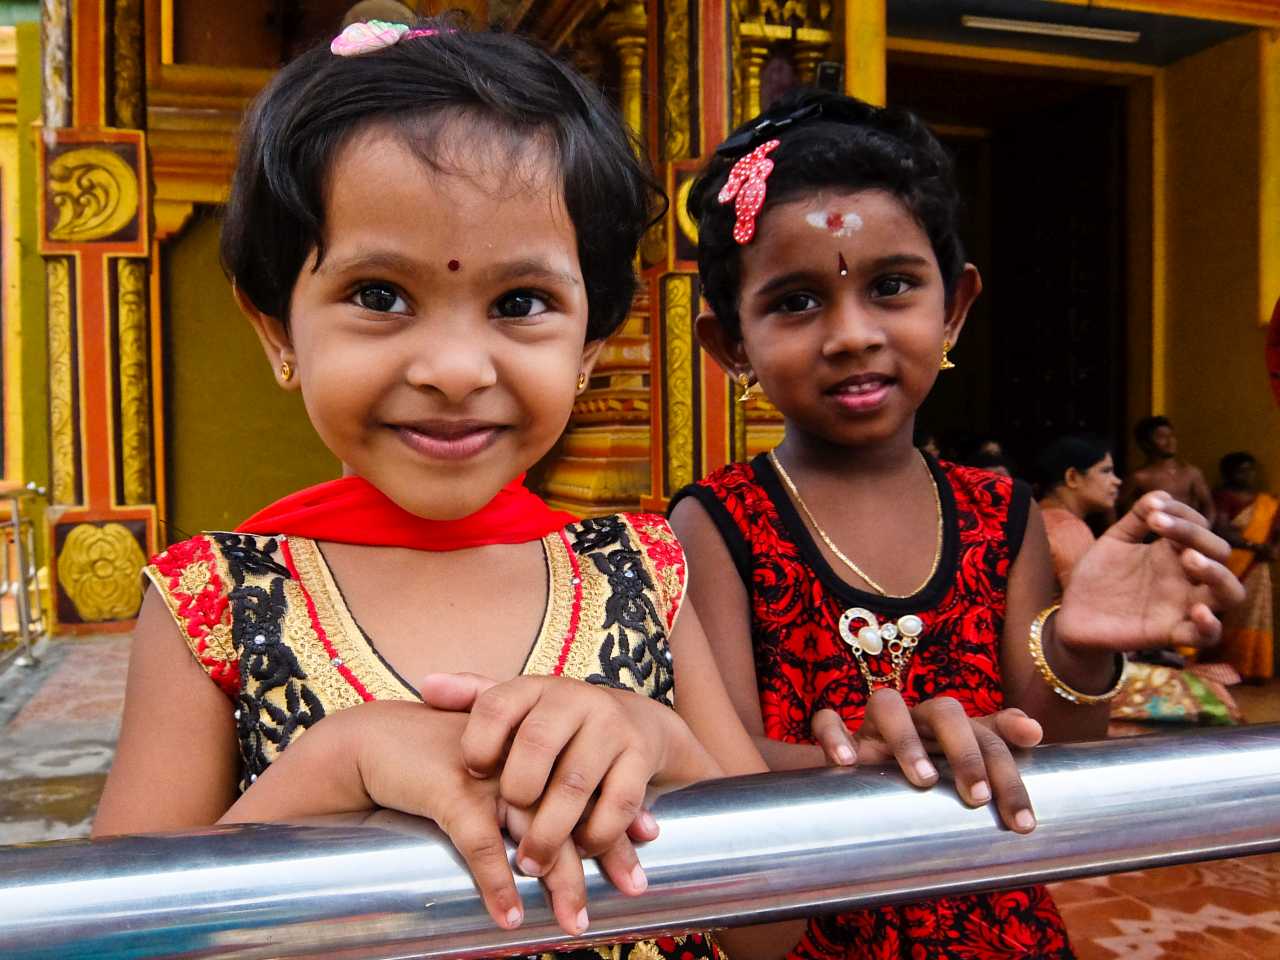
352,510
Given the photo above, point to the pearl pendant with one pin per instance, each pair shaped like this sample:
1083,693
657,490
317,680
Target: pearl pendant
872,636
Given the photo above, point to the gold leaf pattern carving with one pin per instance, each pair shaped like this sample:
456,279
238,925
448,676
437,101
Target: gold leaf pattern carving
94,191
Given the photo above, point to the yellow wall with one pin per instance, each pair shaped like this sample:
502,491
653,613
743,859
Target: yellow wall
1218,393
235,441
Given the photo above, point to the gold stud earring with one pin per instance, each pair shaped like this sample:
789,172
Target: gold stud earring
582,382
744,382
286,371
946,363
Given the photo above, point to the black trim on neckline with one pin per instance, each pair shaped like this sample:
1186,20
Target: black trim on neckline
929,596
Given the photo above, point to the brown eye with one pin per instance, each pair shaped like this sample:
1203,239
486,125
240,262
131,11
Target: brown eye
380,298
797,303
520,304
891,286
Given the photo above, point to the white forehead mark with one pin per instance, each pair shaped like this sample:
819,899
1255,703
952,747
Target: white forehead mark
839,224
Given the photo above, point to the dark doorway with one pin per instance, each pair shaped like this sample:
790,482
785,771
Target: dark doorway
1041,165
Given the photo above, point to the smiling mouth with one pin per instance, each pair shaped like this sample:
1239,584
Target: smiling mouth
448,439
861,393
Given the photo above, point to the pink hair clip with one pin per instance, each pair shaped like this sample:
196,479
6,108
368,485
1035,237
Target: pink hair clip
747,184
367,36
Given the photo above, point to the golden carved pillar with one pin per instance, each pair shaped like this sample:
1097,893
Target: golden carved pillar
95,236
864,50
753,52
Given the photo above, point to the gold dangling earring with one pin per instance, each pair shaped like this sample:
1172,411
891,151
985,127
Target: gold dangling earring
744,381
946,363
286,371
582,382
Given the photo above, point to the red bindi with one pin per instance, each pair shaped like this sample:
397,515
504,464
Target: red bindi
454,265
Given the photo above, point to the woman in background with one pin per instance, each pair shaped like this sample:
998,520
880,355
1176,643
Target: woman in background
1078,478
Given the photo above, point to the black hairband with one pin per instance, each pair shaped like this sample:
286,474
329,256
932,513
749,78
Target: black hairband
839,111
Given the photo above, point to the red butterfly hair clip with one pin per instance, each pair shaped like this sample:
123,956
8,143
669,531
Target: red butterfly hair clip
747,184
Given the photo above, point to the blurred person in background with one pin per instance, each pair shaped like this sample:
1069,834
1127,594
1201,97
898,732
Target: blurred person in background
1077,479
1247,521
1164,471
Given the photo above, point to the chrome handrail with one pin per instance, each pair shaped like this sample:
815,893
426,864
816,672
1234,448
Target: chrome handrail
732,852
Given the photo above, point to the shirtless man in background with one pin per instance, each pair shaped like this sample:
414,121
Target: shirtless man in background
1164,471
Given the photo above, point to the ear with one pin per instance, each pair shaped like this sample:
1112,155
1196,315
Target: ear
273,336
727,351
1072,478
967,288
590,357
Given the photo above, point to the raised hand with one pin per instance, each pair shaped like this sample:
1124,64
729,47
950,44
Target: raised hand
976,748
1126,594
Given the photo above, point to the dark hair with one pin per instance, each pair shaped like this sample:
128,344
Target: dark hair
827,141
1081,451
1146,428
1232,462
513,90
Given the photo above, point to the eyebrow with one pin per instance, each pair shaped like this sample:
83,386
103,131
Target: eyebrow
808,273
528,268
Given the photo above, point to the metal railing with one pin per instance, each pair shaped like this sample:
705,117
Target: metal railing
732,852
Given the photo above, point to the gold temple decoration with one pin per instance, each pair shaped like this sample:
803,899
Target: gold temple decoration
625,30
55,46
681,369
62,400
677,89
98,570
135,411
762,27
127,49
95,192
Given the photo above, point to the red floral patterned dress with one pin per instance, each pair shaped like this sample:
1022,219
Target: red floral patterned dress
803,665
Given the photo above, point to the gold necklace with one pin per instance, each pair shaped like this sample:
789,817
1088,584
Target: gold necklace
937,553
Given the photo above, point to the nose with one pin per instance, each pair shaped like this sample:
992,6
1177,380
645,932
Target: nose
450,357
852,327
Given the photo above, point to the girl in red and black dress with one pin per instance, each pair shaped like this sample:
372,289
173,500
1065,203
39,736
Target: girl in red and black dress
887,605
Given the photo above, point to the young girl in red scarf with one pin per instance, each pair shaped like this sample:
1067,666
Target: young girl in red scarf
432,232
878,590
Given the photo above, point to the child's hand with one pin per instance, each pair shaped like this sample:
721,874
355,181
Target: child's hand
1128,595
580,757
976,748
410,759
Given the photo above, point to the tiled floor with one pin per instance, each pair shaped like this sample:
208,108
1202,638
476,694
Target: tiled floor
59,722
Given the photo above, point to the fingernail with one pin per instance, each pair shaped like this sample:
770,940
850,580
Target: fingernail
1159,520
514,916
639,882
580,924
581,850
1024,820
649,822
528,867
925,770
844,754
980,792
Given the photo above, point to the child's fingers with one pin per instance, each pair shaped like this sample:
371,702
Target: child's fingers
1223,585
1014,727
1202,629
567,888
496,715
832,735
1173,525
619,803
453,691
621,865
1002,772
560,807
644,827
1134,526
957,738
892,722
478,839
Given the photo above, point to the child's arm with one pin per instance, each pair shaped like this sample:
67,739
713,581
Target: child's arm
176,767
1123,595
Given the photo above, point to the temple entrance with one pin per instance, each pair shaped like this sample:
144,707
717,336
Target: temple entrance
1041,163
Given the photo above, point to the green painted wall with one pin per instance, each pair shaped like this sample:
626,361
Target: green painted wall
235,441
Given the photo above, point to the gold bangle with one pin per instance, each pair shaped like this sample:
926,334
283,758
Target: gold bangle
1036,645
